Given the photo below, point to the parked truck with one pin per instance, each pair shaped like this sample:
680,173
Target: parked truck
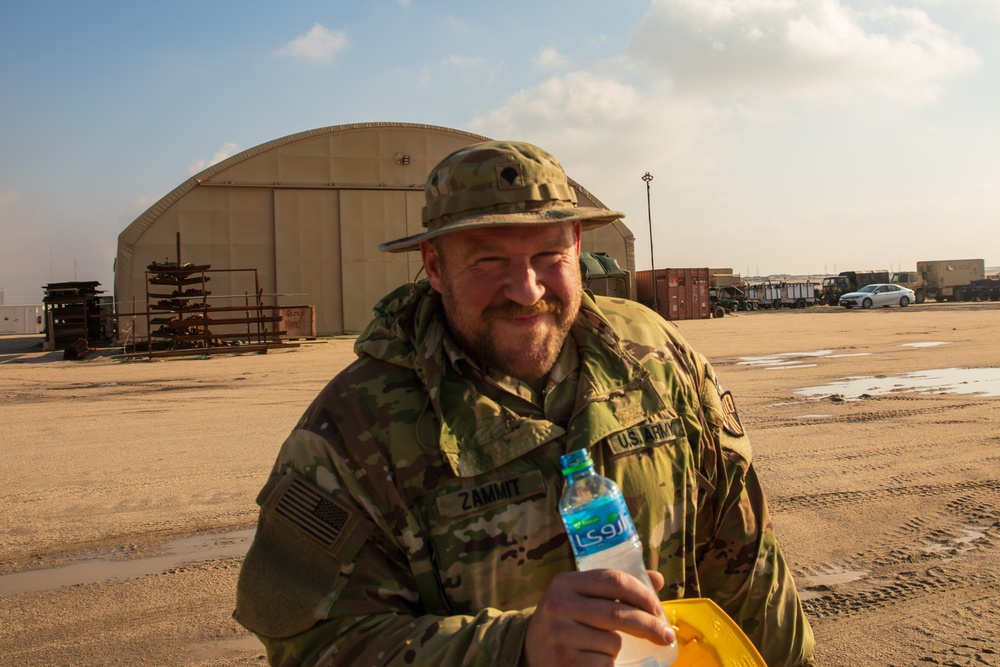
914,281
952,279
849,281
727,292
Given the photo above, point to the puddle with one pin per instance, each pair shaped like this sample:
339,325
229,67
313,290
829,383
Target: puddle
816,585
102,570
794,359
222,648
782,358
835,577
963,543
782,368
980,381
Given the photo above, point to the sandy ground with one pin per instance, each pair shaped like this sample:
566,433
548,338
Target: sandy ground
127,486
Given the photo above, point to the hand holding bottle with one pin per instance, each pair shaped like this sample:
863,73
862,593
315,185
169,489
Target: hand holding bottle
579,618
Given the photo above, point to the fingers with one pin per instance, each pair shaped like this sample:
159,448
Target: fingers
656,579
578,619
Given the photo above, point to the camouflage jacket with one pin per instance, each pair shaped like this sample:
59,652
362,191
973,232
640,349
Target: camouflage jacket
411,515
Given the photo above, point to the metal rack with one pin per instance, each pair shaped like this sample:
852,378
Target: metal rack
72,312
178,305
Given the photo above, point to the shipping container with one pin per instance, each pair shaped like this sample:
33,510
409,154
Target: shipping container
681,294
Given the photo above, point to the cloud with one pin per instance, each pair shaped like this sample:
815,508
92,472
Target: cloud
464,63
318,44
608,132
228,149
549,59
818,49
140,203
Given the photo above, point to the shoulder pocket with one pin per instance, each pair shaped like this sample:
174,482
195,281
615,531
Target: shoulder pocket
300,558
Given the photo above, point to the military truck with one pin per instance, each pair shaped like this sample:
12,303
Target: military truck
849,281
951,279
914,281
726,293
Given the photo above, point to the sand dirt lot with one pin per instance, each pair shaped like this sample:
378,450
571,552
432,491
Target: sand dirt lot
127,487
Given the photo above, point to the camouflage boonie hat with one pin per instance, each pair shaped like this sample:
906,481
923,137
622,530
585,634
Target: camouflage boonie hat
498,183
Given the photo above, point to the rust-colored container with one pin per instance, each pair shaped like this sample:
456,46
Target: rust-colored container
681,294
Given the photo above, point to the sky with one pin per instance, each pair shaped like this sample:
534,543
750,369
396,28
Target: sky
799,137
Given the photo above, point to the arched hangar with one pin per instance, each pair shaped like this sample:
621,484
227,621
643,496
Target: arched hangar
307,212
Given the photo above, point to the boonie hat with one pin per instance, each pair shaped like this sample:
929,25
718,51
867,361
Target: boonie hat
498,183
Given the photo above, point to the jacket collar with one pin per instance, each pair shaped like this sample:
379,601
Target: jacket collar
479,433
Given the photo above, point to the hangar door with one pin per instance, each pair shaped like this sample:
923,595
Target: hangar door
326,251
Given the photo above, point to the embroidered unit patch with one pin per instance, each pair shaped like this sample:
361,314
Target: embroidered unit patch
731,423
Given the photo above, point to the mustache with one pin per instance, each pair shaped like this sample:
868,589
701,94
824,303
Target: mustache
545,306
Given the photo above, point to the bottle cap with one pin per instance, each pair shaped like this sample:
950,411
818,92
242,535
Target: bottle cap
575,461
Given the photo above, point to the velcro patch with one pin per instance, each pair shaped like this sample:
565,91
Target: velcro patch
496,492
731,423
319,516
306,507
645,436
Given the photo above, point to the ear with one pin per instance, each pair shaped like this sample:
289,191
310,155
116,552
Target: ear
577,230
432,264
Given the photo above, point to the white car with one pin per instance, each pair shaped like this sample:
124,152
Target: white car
879,294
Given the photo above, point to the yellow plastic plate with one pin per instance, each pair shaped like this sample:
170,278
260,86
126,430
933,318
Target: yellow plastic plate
707,637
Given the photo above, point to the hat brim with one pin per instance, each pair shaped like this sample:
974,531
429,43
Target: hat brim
589,217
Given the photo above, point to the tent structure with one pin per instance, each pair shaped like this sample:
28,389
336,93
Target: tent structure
298,221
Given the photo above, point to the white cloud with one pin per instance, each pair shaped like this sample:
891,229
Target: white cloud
464,63
549,59
405,4
607,133
456,24
228,149
318,44
471,67
140,203
811,48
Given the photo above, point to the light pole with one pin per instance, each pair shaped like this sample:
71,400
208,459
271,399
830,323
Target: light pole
652,265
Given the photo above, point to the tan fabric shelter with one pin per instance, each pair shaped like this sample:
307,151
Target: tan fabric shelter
307,212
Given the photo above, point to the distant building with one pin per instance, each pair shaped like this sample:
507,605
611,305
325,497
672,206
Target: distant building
308,211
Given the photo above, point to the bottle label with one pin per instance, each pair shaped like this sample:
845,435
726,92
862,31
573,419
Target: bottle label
599,525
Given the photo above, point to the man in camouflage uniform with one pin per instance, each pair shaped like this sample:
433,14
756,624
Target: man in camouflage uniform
411,516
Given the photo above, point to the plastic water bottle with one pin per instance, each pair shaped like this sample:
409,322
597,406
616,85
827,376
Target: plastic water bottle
601,531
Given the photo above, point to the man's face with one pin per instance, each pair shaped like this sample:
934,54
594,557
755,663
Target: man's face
510,293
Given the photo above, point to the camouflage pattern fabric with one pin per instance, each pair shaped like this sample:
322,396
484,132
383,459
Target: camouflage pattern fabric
411,515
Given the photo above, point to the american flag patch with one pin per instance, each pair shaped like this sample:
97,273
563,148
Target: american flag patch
312,511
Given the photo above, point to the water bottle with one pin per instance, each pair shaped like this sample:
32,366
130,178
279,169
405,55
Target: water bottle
601,531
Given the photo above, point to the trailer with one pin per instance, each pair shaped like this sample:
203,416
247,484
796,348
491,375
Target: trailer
987,289
786,295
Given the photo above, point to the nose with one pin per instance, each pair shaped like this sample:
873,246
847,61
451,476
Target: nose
523,286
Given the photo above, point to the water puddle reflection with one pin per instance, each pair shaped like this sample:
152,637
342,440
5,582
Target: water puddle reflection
979,381
105,569
796,359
